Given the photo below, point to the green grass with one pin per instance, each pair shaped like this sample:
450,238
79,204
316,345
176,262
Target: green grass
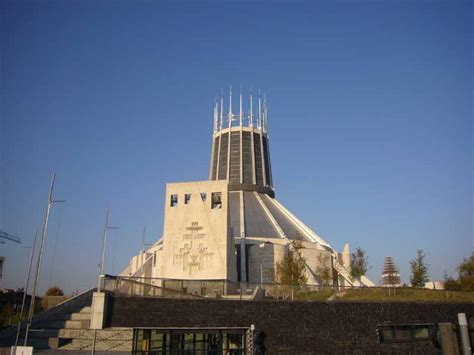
314,296
404,294
371,294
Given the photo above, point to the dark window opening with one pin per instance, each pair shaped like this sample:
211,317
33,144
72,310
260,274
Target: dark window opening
189,341
405,332
247,264
174,200
203,196
187,198
216,200
239,268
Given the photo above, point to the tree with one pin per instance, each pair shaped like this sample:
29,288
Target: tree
419,270
465,281
450,284
466,274
359,264
323,272
54,291
291,270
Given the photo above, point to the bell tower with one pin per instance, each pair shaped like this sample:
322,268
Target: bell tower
240,146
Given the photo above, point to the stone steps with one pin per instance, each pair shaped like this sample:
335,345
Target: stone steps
80,316
36,333
37,343
110,345
66,327
63,324
87,309
106,340
120,333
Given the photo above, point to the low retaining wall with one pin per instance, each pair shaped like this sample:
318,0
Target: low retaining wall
291,326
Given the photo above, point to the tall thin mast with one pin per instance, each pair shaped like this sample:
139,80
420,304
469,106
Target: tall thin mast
265,114
251,109
25,289
240,111
259,111
222,108
215,116
230,106
40,255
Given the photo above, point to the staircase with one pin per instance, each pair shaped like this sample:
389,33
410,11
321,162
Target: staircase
66,327
112,339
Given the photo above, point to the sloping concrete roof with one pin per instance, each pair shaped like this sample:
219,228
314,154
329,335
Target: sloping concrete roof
265,217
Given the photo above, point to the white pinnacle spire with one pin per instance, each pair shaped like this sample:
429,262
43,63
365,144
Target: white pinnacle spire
251,109
222,108
259,111
230,106
240,111
265,114
215,115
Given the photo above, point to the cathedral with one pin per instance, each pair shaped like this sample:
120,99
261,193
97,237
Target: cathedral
231,227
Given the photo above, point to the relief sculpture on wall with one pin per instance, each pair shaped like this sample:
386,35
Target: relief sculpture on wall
194,256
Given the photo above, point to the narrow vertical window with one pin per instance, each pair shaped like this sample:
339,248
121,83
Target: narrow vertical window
174,200
187,198
216,202
154,258
203,196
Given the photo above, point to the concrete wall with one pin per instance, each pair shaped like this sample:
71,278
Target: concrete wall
196,243
261,255
317,262
292,327
270,254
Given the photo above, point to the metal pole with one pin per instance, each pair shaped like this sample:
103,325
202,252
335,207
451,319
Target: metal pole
104,241
94,341
25,290
40,254
261,273
104,244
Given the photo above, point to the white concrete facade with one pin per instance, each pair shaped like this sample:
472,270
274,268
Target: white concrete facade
196,243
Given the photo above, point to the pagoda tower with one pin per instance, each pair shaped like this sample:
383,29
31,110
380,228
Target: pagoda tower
390,274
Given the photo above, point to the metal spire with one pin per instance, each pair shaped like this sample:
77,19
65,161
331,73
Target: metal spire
230,106
259,111
222,108
240,112
265,114
216,115
251,108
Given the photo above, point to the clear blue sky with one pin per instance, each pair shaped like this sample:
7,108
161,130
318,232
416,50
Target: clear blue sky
370,118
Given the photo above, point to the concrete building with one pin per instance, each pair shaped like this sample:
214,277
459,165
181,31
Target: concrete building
232,227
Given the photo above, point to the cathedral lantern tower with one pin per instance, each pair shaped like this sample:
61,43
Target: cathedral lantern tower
240,145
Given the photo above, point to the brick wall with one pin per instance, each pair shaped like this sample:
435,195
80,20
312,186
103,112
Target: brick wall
291,327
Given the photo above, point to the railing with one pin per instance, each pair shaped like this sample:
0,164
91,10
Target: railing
121,285
222,289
